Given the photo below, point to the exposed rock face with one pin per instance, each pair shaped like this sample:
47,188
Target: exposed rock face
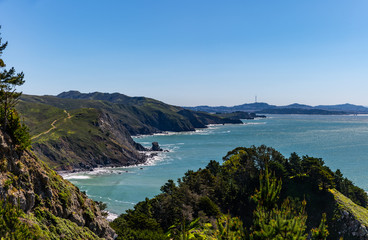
352,227
40,191
156,147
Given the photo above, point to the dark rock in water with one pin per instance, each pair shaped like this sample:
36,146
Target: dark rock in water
156,147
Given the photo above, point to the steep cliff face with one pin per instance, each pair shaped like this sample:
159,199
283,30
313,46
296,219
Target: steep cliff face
53,205
87,138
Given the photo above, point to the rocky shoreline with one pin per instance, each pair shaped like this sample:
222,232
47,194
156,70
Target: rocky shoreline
146,153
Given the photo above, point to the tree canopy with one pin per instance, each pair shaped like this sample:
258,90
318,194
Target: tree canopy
257,189
9,97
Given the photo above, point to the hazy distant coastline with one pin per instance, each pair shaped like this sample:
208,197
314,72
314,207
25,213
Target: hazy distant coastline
265,108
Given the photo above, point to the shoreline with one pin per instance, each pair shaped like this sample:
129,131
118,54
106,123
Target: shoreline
164,133
149,155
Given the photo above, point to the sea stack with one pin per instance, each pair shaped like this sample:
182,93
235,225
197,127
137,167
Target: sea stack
156,147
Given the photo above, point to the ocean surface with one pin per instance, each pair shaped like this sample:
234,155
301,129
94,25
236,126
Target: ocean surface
341,141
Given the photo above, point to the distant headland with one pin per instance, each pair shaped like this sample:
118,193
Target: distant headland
295,108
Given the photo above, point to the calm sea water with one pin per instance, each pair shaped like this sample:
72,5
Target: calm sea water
342,142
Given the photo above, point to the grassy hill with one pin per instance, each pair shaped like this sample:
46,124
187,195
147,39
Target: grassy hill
76,130
78,138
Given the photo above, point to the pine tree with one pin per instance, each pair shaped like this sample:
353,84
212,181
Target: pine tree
272,221
9,80
9,118
320,233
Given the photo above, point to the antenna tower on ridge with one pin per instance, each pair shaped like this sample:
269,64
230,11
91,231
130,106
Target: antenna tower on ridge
255,99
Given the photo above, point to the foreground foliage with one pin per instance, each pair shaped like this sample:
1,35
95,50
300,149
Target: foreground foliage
11,226
287,205
9,119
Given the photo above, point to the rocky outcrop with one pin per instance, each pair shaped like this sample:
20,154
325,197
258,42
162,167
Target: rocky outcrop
351,220
43,194
156,147
352,227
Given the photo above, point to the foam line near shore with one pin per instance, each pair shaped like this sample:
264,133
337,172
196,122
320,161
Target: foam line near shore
80,175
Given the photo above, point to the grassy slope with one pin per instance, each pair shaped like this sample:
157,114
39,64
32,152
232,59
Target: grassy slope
39,117
75,140
153,113
360,213
139,115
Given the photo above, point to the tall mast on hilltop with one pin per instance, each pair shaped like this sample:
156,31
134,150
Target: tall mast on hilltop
255,99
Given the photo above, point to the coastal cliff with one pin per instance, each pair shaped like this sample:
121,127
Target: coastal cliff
52,208
88,139
83,131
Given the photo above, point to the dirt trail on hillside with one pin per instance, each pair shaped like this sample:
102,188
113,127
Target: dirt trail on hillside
52,125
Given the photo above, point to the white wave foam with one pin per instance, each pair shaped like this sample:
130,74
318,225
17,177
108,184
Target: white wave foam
214,125
154,160
168,133
255,123
111,216
71,176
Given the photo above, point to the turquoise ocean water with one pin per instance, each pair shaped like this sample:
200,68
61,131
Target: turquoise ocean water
342,142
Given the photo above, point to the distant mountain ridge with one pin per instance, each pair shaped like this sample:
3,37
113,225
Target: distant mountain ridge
117,98
294,108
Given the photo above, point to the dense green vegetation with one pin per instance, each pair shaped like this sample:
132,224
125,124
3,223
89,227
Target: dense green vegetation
11,226
299,186
15,224
9,119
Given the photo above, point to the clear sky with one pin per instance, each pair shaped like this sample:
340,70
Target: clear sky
192,52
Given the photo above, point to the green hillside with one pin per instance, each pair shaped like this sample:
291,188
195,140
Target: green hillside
91,130
78,138
138,114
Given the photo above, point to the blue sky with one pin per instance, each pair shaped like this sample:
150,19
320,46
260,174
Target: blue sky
192,52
